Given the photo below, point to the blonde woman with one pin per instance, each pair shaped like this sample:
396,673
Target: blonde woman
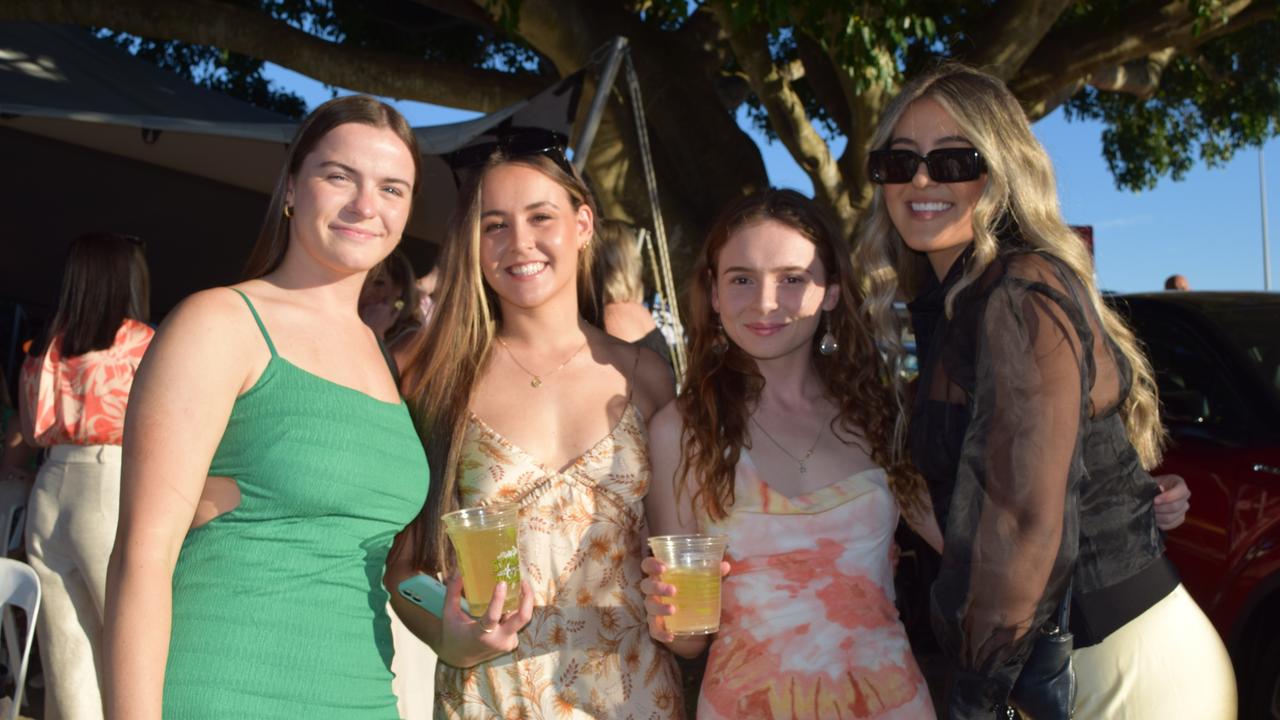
1034,420
523,400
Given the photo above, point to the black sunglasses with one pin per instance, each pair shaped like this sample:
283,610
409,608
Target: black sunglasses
945,165
513,143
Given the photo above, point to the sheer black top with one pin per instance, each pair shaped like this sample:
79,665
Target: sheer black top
1015,426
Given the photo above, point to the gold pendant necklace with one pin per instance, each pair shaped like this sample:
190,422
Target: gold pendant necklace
536,382
799,461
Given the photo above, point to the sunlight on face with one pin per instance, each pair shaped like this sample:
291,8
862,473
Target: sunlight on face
530,235
933,218
351,197
770,288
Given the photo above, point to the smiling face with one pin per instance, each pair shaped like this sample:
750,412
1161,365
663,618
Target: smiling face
351,198
932,218
530,235
770,288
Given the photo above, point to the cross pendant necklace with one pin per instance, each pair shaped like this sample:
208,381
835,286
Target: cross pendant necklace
801,461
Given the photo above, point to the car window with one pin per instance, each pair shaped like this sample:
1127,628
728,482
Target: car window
1255,331
1193,386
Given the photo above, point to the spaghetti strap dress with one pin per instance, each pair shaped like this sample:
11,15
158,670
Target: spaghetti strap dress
808,627
587,652
278,605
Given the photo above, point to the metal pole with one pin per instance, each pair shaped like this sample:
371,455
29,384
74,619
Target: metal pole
603,86
1266,252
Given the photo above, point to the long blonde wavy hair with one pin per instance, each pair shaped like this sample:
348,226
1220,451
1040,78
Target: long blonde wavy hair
1020,193
446,361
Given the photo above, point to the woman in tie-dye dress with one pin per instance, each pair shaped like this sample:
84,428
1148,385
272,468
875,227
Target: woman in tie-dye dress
780,441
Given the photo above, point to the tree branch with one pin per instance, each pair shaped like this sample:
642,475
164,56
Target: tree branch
253,33
787,114
1137,77
1071,57
1011,32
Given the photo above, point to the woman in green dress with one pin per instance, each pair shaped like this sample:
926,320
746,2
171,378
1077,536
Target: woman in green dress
269,460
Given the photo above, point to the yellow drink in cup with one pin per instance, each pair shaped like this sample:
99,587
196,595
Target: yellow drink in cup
693,568
485,540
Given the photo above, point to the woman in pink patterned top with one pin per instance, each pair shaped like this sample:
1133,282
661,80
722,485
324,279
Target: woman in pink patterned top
75,388
780,442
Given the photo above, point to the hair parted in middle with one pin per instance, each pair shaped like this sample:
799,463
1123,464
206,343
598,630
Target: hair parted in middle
446,360
273,239
1019,204
722,386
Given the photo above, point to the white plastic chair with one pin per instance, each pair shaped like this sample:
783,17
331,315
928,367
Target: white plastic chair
19,587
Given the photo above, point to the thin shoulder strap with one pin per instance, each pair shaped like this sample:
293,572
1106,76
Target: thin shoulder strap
258,319
391,361
631,381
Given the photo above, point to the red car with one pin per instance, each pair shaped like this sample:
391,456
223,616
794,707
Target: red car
1217,361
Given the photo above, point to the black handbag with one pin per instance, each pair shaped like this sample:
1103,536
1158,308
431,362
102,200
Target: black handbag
1046,687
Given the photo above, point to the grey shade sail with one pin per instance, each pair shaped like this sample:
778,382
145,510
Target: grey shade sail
105,141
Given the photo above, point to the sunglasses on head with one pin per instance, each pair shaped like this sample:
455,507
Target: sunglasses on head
945,165
514,143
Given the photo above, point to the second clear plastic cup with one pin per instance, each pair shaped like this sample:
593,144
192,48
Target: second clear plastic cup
693,567
485,540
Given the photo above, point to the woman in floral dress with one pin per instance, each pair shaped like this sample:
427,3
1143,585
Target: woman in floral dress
522,399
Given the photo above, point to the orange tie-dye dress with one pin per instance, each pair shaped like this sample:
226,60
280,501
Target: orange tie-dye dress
587,652
808,627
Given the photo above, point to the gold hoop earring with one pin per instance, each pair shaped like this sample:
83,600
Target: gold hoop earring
288,212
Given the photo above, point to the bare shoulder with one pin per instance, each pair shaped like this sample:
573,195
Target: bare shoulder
210,331
665,427
215,311
628,321
655,387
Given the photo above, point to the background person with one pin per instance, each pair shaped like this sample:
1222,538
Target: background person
781,441
75,390
1176,282
528,402
1034,419
265,475
389,301
619,275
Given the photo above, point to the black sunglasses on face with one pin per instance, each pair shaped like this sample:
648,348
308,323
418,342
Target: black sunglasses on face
945,165
512,144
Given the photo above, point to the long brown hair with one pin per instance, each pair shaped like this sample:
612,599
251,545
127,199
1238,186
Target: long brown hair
1020,193
104,282
446,361
722,386
273,238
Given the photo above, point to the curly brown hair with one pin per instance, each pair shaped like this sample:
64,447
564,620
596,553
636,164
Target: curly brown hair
721,387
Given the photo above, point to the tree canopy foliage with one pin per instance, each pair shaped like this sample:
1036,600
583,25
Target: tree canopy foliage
1175,82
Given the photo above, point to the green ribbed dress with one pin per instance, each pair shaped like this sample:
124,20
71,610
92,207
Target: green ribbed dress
278,605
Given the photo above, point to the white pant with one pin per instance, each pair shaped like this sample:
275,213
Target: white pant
71,527
1168,662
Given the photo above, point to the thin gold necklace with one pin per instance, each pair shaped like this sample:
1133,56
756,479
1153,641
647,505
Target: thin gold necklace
537,379
799,461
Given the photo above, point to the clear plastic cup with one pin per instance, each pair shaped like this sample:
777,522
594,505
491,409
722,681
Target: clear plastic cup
693,567
485,541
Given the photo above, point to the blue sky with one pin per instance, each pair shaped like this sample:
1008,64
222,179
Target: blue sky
1207,226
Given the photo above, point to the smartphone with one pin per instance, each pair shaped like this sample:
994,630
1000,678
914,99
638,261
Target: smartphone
427,593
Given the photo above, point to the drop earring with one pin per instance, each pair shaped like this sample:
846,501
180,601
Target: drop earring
721,341
828,344
288,211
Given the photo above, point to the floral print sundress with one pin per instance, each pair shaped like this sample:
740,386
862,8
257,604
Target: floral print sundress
587,652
